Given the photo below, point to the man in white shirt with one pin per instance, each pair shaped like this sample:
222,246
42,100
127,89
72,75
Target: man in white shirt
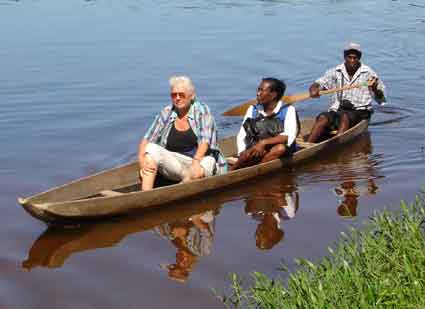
349,107
269,127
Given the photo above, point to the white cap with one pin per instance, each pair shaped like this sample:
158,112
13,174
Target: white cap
352,46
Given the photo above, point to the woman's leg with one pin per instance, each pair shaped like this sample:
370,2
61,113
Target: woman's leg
171,165
148,174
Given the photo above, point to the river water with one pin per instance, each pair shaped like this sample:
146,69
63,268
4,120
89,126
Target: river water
81,81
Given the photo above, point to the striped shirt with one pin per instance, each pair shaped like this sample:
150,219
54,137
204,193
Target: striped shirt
201,121
361,97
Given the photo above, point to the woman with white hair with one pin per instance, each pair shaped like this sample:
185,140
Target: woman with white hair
181,143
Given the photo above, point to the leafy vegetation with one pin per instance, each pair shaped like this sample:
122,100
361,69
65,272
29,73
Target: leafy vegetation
382,265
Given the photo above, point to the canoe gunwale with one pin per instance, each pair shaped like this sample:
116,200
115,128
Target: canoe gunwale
92,207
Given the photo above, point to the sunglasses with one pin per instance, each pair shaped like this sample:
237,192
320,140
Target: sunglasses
180,94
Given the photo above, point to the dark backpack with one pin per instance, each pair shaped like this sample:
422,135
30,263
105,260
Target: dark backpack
260,127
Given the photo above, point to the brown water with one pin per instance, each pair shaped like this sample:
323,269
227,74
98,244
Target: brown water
80,83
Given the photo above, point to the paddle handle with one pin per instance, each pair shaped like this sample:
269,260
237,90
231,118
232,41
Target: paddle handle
347,87
291,99
240,110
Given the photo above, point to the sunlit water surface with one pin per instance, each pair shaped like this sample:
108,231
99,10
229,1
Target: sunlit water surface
80,83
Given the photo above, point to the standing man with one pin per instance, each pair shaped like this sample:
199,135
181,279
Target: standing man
269,127
349,107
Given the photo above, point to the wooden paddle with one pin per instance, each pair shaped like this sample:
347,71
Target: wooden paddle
241,109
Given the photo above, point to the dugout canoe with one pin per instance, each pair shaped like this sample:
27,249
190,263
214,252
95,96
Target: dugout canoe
116,191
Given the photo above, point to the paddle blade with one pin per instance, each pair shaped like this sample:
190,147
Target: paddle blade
239,110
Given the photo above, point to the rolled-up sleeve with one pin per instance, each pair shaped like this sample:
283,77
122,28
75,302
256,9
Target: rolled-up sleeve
207,127
155,130
326,81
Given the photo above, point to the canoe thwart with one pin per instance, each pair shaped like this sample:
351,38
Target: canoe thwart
231,160
109,193
301,143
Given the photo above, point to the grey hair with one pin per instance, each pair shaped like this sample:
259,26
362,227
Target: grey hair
182,80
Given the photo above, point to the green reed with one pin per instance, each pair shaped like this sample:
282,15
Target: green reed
382,265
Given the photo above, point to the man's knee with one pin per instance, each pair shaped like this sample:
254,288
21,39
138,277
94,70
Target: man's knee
322,120
344,120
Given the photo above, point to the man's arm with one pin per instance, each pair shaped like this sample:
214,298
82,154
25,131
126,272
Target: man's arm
378,89
322,83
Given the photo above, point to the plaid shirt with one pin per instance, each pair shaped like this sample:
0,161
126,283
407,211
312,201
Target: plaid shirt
201,122
361,97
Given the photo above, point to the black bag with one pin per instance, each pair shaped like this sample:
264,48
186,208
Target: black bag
260,128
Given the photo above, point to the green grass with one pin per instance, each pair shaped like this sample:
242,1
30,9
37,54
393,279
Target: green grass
380,266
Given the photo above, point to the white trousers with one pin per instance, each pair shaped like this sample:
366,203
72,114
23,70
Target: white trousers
176,166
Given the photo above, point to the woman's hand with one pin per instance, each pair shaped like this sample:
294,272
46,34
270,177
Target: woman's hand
196,169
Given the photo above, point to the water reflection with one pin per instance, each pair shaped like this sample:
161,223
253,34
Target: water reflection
354,169
193,238
189,226
358,176
271,202
349,192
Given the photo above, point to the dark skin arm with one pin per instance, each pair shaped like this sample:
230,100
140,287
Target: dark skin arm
258,149
373,86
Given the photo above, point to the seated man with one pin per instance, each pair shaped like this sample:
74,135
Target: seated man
269,127
181,144
349,107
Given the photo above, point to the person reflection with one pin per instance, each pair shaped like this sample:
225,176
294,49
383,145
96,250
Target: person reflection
193,238
270,208
349,192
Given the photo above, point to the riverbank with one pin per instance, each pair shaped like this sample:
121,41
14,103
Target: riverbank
381,265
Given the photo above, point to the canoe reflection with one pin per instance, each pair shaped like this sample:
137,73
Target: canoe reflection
190,227
269,204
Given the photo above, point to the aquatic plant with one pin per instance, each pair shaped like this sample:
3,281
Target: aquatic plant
381,265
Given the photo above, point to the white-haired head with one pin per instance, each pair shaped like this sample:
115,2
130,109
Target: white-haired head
182,80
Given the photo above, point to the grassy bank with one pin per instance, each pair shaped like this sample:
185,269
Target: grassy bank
383,265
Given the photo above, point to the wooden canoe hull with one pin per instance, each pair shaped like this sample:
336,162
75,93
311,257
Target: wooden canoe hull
70,203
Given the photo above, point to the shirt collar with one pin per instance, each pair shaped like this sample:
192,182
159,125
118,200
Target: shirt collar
341,68
275,110
190,114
